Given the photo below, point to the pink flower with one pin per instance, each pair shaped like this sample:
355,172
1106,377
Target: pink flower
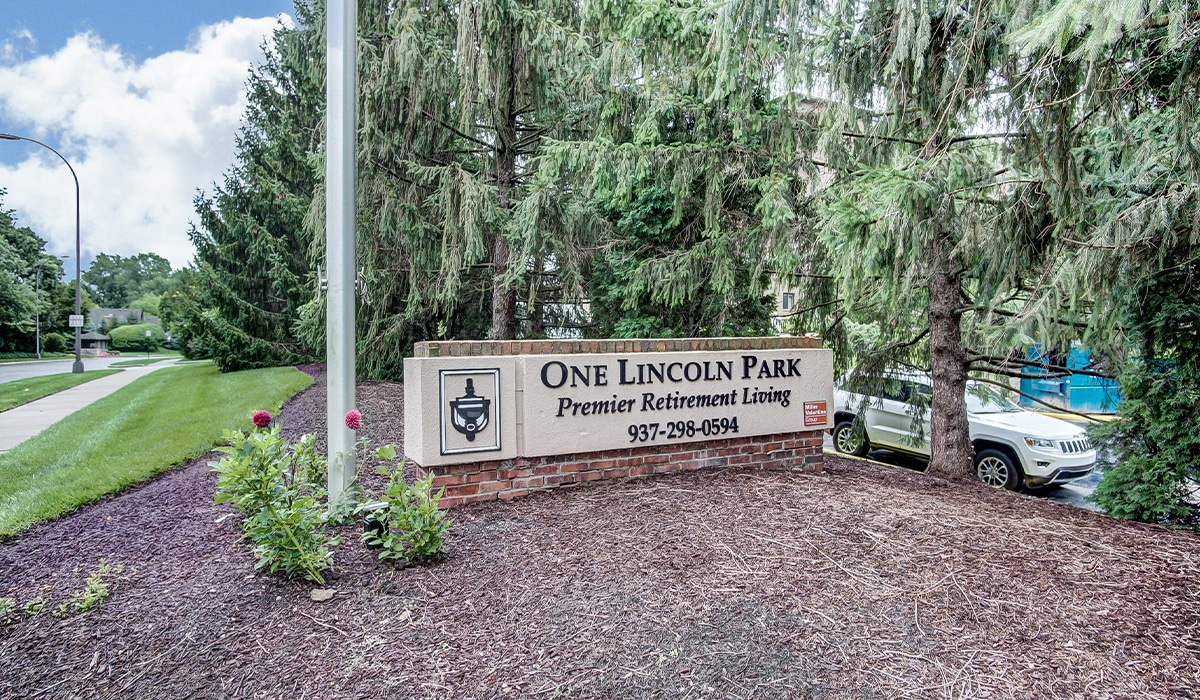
353,419
261,418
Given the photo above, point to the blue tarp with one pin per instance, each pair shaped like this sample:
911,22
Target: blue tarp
1077,392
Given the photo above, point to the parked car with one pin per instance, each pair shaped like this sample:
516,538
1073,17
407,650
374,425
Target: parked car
1013,447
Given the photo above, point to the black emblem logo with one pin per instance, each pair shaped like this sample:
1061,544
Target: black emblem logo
469,413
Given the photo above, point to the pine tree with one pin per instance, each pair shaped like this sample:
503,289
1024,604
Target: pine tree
252,246
456,100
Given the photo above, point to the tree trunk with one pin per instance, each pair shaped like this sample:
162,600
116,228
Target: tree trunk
949,439
504,301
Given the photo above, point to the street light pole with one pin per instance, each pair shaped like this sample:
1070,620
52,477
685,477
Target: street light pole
77,368
341,90
37,311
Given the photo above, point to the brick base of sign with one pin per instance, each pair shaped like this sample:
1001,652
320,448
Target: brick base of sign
513,478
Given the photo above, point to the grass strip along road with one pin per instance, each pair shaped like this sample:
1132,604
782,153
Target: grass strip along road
22,391
162,420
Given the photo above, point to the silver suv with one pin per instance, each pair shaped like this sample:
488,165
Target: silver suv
1013,447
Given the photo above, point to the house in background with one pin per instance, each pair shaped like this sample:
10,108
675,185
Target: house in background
93,343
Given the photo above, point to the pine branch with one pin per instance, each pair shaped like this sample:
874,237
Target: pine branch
1003,365
432,117
895,139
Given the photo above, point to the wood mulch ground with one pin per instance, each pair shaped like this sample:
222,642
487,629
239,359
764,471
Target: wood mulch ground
861,582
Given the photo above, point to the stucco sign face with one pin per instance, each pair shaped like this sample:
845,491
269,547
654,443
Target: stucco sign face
599,402
470,420
540,405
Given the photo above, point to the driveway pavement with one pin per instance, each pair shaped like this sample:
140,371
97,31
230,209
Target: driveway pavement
23,422
1075,493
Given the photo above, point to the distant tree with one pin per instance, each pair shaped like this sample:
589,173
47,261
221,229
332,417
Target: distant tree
148,302
114,281
30,285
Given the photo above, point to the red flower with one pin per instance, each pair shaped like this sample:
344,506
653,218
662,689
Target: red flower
261,418
353,419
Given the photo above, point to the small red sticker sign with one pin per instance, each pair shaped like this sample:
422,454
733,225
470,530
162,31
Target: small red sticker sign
814,413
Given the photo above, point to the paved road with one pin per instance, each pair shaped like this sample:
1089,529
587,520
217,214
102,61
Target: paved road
12,371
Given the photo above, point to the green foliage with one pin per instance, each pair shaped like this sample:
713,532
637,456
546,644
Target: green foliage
133,337
114,281
96,587
8,611
30,285
55,342
240,304
638,289
413,528
22,391
275,485
1153,443
148,303
162,420
1155,450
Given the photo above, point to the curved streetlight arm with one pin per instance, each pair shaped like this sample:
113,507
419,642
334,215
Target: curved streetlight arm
77,368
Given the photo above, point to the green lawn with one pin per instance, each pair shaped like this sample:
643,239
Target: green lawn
22,391
137,363
162,420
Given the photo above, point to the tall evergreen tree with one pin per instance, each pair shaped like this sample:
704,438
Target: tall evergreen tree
252,267
457,99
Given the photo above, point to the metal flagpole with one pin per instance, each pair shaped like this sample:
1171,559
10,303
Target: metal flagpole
341,88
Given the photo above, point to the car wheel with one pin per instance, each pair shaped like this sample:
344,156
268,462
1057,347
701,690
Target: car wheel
996,469
850,441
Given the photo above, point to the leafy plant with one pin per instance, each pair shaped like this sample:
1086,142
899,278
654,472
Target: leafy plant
35,607
413,528
95,587
8,610
276,486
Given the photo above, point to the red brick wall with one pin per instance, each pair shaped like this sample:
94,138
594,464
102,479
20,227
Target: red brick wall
513,478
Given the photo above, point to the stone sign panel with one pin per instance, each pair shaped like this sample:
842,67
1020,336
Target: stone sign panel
464,409
588,403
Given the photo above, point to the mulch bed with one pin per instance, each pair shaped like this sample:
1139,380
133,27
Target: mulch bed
860,582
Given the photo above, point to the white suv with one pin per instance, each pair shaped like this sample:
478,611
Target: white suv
1013,447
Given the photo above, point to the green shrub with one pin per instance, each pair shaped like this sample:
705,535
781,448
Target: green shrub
275,485
412,527
1154,448
133,338
54,342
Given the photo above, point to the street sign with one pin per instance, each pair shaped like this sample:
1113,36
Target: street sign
75,321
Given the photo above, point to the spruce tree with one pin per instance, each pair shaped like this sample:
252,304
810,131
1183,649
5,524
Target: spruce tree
456,101
252,272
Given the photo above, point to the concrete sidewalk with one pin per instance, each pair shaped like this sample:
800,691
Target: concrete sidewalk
23,422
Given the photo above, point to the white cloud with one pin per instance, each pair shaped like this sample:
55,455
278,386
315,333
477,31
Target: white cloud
142,137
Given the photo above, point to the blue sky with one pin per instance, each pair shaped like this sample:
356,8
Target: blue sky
143,97
142,28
